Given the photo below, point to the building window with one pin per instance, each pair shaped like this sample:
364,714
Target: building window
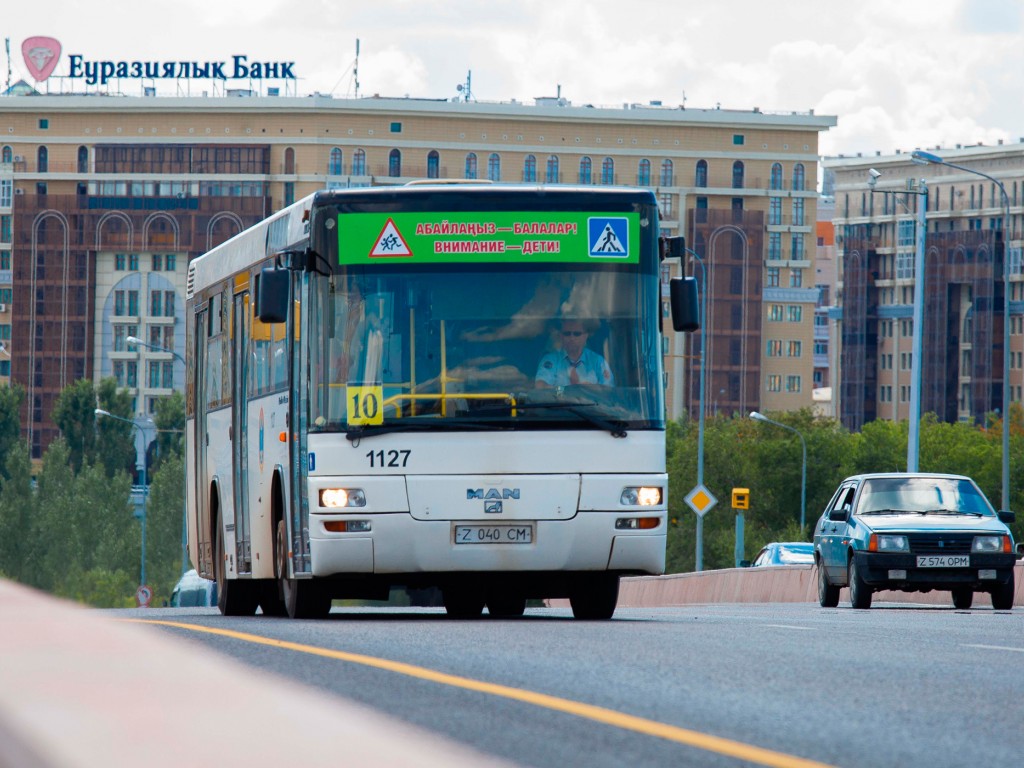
797,247
530,168
776,176
798,177
792,383
133,262
395,163
737,175
608,171
737,139
170,262
433,164
335,165
796,278
794,313
551,170
794,349
643,173
156,262
775,313
701,175
586,170
396,127
773,277
494,167
471,168
665,205
774,383
775,246
774,210
44,124
119,262
667,176
359,162
156,303
773,348
798,212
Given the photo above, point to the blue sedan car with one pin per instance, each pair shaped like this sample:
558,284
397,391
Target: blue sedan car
913,532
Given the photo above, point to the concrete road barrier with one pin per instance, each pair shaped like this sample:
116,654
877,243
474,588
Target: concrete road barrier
777,584
80,688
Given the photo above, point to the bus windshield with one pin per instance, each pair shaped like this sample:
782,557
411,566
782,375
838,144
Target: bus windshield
536,346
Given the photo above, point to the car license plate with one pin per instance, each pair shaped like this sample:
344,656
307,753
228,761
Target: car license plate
494,534
943,561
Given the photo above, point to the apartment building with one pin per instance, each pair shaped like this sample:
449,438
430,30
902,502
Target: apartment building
104,199
972,231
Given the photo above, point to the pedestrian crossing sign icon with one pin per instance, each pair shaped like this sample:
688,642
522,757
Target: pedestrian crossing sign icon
608,237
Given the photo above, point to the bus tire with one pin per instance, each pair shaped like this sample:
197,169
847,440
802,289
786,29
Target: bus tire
234,596
594,598
505,604
463,602
301,598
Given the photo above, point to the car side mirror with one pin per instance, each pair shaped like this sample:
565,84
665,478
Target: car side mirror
1007,516
839,515
745,563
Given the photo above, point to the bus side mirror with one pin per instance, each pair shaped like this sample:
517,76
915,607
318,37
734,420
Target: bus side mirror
683,294
272,295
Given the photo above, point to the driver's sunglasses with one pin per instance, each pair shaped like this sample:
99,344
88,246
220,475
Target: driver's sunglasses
573,333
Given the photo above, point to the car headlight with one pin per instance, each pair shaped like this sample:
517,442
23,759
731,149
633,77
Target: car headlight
333,498
645,496
991,544
889,542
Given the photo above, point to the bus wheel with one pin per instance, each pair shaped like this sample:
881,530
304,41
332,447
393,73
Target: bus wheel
463,602
505,604
234,597
301,598
595,597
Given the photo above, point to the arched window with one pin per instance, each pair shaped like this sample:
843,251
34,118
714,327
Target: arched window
608,171
530,168
798,177
776,177
395,164
7,155
643,173
335,165
471,169
44,159
667,175
289,160
586,171
701,176
83,159
737,175
433,164
494,167
359,162
551,172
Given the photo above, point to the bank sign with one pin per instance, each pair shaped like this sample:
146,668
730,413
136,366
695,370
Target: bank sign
42,55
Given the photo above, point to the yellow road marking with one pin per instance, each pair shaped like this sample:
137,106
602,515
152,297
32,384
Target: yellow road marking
621,720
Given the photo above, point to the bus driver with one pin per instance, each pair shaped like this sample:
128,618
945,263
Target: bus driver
574,363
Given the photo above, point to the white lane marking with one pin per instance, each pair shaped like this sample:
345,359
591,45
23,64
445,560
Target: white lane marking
994,647
790,626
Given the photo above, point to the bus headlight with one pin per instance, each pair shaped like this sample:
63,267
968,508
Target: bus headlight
644,496
333,498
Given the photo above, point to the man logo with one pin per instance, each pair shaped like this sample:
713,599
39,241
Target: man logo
492,493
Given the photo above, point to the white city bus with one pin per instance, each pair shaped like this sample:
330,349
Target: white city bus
372,400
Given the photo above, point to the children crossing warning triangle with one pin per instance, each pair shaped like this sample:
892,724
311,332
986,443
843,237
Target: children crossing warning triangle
390,243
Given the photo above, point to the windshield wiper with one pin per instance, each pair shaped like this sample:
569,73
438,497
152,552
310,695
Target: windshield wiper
358,433
942,511
884,512
617,428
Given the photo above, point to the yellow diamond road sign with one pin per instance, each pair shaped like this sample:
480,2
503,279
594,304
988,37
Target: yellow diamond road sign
701,500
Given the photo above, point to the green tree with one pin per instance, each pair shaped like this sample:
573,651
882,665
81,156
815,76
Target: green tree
11,398
17,511
164,526
90,438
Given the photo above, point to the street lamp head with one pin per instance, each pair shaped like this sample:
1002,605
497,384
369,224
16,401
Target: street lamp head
921,157
133,340
101,412
758,416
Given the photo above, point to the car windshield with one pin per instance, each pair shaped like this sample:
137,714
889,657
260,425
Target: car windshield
924,495
792,554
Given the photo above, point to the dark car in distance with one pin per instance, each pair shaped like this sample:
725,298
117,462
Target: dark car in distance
913,532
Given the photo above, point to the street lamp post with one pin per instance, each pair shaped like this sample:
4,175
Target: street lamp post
803,469
927,158
140,466
136,341
701,415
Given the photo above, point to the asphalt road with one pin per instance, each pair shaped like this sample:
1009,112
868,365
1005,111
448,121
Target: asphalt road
726,685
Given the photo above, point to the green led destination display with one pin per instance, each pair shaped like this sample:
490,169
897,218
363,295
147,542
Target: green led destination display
488,237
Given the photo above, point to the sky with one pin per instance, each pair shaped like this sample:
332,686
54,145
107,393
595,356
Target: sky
897,74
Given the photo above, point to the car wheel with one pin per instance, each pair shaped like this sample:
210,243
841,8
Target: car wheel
860,592
594,598
1002,596
963,598
828,593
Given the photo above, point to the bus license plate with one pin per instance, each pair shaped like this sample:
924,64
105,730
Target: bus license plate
943,561
494,534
